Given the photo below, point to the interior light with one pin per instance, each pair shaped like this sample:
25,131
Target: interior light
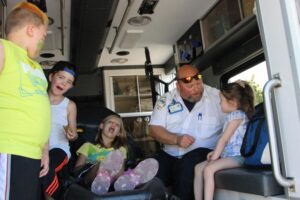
119,60
139,21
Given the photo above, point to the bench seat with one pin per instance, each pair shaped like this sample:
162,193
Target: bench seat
254,181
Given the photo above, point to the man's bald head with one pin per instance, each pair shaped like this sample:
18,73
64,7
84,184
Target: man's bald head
185,71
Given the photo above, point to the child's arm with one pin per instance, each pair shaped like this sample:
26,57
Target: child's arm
45,160
1,57
228,132
71,129
81,160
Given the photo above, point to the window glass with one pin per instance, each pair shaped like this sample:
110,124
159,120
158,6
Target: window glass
257,76
247,6
225,15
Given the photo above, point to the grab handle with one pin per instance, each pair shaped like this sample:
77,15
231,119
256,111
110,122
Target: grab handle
269,86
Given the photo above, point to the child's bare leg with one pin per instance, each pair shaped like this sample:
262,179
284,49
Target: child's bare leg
198,180
209,171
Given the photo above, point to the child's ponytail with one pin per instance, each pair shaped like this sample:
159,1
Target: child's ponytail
243,93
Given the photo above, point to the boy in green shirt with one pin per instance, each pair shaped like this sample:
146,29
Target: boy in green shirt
24,104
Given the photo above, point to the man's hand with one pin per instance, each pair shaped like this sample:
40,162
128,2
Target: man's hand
185,140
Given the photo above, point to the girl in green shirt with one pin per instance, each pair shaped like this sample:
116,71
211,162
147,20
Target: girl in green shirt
107,157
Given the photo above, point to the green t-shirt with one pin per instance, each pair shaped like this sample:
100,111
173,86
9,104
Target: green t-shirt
25,113
96,153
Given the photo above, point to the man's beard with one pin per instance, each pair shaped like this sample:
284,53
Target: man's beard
194,99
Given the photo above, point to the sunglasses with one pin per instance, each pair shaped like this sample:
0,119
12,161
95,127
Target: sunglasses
189,79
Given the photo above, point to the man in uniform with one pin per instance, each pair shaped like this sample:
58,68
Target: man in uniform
187,121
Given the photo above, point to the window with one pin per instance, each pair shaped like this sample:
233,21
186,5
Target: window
257,76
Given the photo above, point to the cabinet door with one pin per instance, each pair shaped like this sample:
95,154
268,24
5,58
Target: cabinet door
128,91
125,93
145,95
132,94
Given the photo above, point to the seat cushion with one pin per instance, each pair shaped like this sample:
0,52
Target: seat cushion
253,181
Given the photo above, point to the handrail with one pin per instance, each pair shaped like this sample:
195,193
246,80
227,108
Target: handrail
285,182
120,26
62,29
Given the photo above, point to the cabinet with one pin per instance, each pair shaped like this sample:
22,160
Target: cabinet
219,21
131,94
128,93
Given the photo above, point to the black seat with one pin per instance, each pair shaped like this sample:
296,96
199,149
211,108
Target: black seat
254,181
153,190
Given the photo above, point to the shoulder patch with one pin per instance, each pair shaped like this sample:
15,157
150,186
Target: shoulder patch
161,103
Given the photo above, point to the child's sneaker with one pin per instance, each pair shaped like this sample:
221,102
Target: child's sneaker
101,183
108,169
142,173
112,163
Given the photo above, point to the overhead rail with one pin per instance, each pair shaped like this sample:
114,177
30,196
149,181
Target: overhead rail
152,78
62,28
120,26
